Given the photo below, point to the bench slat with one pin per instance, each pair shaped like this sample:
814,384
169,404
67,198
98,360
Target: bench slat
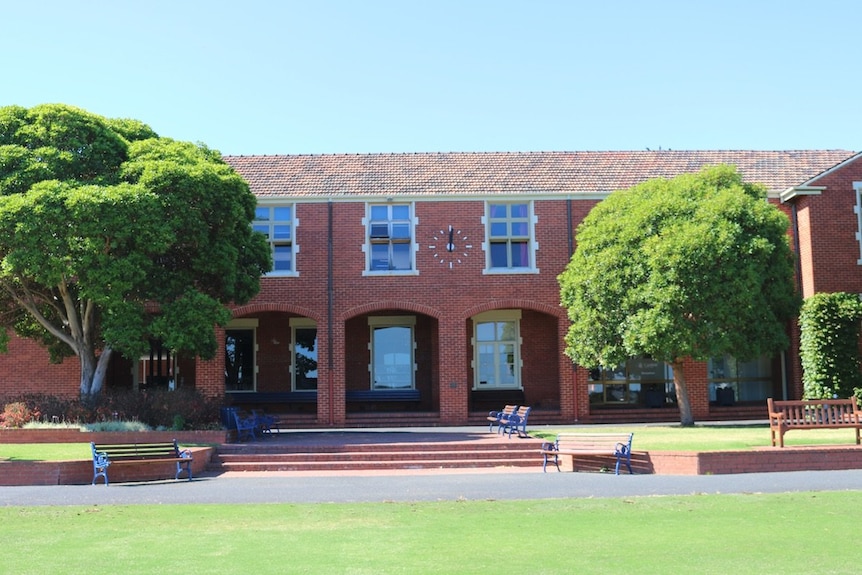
613,444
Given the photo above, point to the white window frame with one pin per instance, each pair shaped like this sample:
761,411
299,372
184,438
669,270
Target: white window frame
404,321
299,323
246,324
268,225
375,235
532,245
498,316
857,209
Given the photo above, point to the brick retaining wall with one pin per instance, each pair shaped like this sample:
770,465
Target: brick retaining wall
80,472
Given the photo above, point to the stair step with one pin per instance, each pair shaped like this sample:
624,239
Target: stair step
373,465
339,451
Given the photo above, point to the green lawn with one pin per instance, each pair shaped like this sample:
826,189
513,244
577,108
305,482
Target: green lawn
647,438
740,534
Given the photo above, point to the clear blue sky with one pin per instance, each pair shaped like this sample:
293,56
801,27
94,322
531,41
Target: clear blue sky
356,76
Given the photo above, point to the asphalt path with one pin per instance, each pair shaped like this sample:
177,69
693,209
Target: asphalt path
239,488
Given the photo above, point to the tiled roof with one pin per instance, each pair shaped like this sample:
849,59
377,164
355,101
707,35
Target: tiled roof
471,174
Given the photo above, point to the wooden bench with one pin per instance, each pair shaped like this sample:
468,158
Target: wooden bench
105,455
496,417
617,445
812,414
515,422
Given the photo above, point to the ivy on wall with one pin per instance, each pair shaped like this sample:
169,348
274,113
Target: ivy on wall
829,345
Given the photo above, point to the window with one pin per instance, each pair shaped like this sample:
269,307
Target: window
731,380
857,209
304,354
392,364
496,345
640,382
276,223
157,368
390,238
509,246
239,355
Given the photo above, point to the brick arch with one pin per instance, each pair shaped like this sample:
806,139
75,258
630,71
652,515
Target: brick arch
515,303
284,307
372,307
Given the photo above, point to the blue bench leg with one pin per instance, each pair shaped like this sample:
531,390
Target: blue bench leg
184,466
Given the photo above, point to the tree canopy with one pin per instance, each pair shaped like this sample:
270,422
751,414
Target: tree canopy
111,236
695,266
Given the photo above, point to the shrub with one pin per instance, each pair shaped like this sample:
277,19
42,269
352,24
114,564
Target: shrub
118,426
15,414
179,409
829,345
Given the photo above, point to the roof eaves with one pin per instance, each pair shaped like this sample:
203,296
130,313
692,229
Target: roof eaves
797,191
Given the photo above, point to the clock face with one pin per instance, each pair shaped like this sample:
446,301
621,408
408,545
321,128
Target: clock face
450,247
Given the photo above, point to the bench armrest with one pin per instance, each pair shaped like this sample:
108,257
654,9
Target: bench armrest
100,458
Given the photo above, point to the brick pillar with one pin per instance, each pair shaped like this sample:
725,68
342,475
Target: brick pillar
696,380
570,395
331,386
209,374
454,383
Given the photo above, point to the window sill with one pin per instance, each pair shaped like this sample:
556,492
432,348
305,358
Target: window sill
510,271
390,273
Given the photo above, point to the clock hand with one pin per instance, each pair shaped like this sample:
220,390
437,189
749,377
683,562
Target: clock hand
451,245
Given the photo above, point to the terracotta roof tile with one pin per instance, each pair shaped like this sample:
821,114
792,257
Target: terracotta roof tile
471,174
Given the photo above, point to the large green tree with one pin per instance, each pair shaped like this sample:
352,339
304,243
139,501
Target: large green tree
695,266
111,237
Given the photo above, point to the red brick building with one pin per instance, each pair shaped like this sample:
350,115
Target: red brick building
421,289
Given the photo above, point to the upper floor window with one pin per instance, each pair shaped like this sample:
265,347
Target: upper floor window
510,244
390,243
857,187
276,223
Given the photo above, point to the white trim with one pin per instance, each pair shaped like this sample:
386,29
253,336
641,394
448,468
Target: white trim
797,191
857,209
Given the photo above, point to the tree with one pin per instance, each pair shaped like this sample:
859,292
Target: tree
695,266
829,345
111,237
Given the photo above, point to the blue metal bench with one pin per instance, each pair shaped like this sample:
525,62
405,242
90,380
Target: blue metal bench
496,417
246,426
515,422
106,455
618,445
265,423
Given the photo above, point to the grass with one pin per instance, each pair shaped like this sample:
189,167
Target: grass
711,437
754,533
646,438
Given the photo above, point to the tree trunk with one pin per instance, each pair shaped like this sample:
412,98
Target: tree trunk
686,418
93,370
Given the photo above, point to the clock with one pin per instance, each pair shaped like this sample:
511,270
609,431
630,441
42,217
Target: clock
450,247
